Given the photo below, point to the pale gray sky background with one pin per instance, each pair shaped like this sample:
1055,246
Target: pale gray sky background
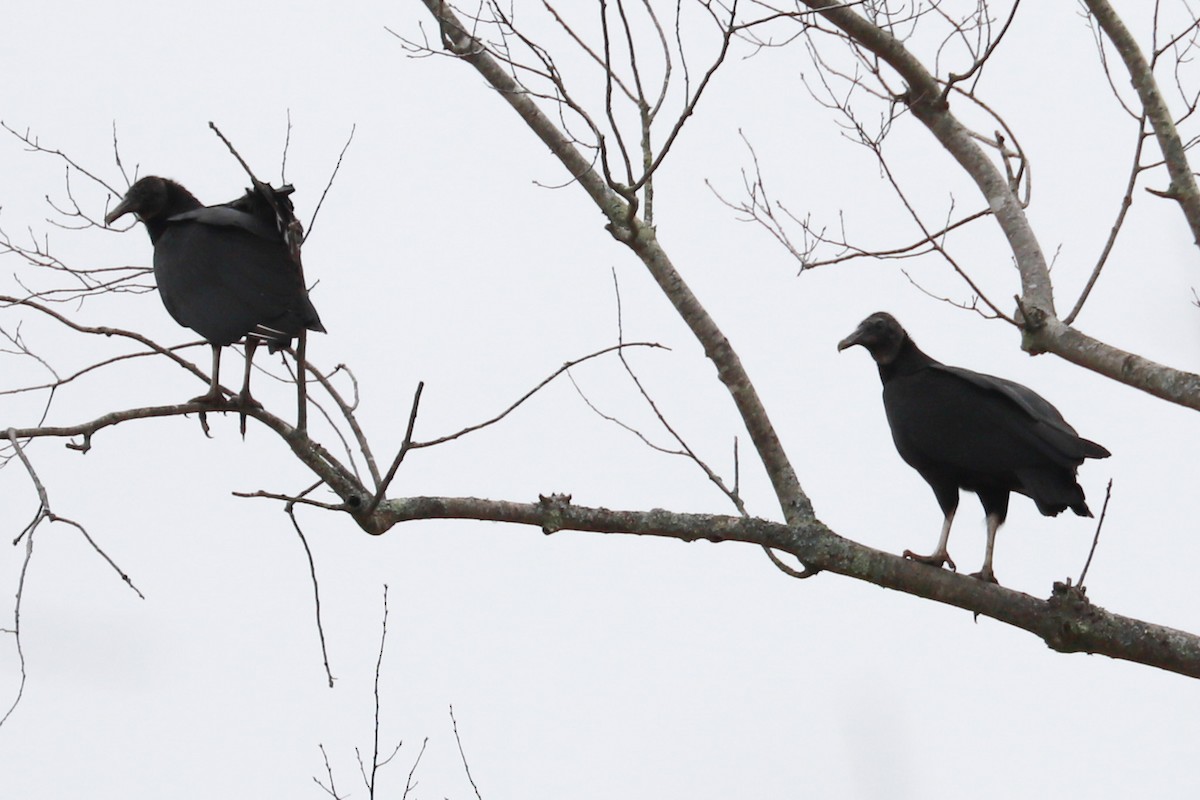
578,665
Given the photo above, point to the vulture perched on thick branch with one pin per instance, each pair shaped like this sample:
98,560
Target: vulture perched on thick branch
228,272
963,430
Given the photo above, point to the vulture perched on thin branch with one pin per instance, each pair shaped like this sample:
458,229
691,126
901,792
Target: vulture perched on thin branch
228,272
964,430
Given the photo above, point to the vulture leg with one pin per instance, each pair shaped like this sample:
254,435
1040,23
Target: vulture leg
245,399
301,387
941,555
213,397
995,505
994,521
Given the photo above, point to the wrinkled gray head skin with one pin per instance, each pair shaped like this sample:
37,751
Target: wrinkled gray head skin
881,334
147,198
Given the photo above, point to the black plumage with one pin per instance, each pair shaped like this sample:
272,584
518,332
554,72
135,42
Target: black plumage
964,430
226,271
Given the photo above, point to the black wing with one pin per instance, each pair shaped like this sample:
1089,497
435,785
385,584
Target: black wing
974,429
229,217
1037,408
220,276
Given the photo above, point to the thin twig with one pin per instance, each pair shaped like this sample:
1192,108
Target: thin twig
687,450
376,762
45,513
290,508
408,784
312,221
16,629
405,446
1126,201
1096,538
804,573
566,366
287,143
253,178
331,789
463,755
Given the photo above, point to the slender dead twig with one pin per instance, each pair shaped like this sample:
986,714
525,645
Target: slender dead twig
1096,538
376,763
106,331
26,561
331,789
290,509
408,784
378,670
233,150
686,449
35,145
806,572
463,755
564,368
46,514
294,500
405,446
1126,202
43,514
287,144
312,221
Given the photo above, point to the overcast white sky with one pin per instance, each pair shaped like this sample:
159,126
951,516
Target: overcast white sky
578,665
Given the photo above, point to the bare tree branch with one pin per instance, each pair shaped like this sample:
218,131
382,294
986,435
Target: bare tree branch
624,225
1067,621
1183,182
1041,328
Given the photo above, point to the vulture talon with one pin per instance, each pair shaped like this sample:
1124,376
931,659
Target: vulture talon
244,400
965,430
228,272
245,403
933,560
210,398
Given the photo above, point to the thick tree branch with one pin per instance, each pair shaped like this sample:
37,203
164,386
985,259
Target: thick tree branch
928,102
311,453
1042,330
1067,621
1051,335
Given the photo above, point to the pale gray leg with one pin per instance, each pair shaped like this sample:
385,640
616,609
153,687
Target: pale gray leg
941,555
213,396
994,521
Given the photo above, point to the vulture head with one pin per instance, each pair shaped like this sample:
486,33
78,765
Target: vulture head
153,199
881,334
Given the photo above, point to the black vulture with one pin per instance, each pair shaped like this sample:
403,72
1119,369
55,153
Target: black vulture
963,430
224,271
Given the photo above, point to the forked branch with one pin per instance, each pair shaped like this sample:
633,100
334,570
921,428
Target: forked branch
631,230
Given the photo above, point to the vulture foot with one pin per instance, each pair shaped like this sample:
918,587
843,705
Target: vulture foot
213,397
934,560
986,575
245,400
246,403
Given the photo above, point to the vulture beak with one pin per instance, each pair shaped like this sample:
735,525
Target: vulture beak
851,340
121,209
